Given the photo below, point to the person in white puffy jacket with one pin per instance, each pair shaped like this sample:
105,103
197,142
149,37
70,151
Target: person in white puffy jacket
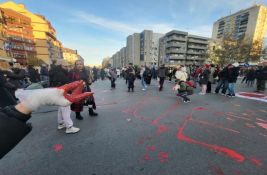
180,74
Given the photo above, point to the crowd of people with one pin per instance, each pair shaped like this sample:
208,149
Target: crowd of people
188,77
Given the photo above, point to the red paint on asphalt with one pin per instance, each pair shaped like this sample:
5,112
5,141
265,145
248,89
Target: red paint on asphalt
151,148
250,125
263,125
226,151
163,157
217,170
200,109
255,161
162,129
146,157
170,109
57,147
214,125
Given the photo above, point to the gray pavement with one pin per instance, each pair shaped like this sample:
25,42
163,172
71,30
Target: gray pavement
150,133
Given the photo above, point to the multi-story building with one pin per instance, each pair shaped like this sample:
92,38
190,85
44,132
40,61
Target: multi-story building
70,55
133,49
123,56
17,37
178,47
250,24
149,45
48,48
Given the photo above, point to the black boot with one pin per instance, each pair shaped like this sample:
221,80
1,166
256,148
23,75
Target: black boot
78,116
92,113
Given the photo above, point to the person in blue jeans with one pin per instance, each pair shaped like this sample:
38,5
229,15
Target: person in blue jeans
142,75
223,80
233,71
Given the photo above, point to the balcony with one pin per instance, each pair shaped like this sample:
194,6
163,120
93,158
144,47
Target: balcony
197,41
174,44
168,51
176,38
195,52
197,47
195,58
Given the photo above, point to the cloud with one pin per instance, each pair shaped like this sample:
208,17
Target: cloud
121,27
106,23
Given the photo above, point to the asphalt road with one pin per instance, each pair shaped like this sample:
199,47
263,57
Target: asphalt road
148,133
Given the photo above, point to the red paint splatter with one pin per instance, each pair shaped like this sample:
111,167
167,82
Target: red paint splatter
228,152
146,157
142,140
200,109
217,170
237,172
263,125
161,129
252,95
250,125
259,119
171,108
151,148
163,157
255,161
214,125
218,113
57,147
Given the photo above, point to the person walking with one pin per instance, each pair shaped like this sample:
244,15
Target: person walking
113,77
161,75
131,78
232,78
80,73
223,80
142,75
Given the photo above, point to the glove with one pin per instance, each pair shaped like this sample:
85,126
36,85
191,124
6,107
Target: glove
33,99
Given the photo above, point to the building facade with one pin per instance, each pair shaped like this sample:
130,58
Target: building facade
250,24
133,49
17,37
70,55
47,46
178,47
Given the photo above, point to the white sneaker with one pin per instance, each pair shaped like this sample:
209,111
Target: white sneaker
72,130
143,89
61,126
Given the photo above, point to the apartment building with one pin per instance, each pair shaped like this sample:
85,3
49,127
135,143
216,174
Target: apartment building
149,45
123,56
179,47
70,55
133,49
48,48
250,23
17,37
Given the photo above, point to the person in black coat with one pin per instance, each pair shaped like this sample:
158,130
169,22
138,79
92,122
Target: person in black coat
80,73
261,76
161,74
233,72
131,78
6,97
204,78
223,80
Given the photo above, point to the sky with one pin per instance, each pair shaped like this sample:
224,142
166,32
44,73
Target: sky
98,28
